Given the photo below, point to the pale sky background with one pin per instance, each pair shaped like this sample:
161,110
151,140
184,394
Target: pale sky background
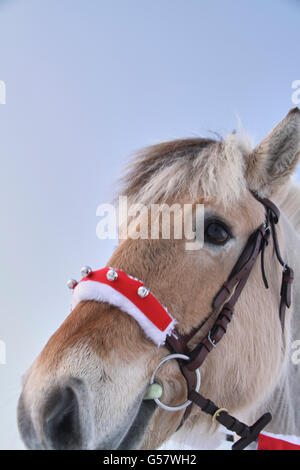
88,82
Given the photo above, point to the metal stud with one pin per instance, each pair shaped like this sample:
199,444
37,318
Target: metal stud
71,283
85,271
112,274
143,291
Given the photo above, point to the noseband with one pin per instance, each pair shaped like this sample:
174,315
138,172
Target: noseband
156,321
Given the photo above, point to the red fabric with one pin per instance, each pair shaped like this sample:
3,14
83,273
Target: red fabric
128,287
271,443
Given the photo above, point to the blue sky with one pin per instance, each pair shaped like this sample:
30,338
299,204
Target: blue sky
88,82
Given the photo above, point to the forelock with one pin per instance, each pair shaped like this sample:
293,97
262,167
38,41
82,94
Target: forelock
201,168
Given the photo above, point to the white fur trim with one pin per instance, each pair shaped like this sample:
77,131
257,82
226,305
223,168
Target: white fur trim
93,290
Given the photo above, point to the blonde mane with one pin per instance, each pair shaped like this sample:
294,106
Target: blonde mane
210,168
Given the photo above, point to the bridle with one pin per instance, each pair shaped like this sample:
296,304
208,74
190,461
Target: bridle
129,294
232,289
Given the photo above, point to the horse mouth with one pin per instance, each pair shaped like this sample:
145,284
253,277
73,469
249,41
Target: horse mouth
133,438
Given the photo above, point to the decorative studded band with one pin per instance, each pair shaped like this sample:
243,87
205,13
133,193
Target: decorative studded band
130,295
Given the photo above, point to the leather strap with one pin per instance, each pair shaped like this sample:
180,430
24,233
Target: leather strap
285,293
248,434
235,285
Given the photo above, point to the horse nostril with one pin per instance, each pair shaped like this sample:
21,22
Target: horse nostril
61,420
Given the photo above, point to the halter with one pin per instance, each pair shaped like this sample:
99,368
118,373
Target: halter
130,295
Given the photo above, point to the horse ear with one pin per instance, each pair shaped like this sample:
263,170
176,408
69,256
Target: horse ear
275,158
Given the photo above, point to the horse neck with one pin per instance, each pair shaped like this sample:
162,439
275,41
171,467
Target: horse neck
284,402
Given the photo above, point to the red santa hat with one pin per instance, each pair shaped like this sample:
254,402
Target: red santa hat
128,294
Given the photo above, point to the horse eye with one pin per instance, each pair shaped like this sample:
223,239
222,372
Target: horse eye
216,233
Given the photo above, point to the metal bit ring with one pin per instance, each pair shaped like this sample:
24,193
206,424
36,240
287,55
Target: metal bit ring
152,380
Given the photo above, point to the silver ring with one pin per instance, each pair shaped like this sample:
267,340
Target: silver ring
198,382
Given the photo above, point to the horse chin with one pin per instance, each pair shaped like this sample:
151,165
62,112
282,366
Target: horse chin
134,436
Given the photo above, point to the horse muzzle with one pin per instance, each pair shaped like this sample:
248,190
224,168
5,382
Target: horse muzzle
65,419
58,422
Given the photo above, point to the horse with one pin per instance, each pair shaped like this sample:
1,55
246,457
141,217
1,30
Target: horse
86,388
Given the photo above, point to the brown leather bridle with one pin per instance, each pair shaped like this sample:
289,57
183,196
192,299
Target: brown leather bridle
226,299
